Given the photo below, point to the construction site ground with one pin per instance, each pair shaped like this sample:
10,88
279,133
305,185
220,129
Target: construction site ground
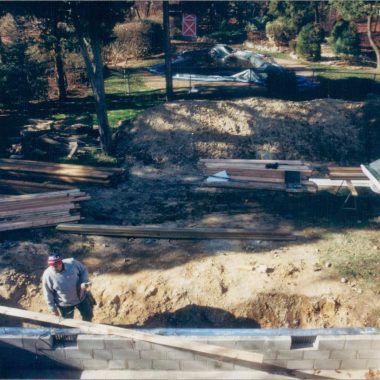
328,277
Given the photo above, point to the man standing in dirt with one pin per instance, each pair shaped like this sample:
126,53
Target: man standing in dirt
65,284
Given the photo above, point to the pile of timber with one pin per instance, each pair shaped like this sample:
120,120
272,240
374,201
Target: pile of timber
39,210
24,170
346,173
176,233
258,174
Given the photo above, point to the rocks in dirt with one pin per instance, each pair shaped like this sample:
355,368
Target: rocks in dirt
264,269
328,265
343,280
317,267
150,292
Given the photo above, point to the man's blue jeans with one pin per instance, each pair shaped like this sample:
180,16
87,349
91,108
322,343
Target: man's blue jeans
85,309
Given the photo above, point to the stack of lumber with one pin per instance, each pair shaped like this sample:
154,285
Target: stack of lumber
175,232
346,173
24,170
37,210
257,174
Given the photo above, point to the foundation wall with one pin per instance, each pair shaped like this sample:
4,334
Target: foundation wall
321,349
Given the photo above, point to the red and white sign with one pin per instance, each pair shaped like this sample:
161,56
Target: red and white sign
189,25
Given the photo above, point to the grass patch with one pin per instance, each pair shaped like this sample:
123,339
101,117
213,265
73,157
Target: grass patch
273,54
355,256
116,116
93,158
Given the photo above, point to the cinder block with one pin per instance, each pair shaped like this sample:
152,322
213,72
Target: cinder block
343,354
141,345
357,342
353,364
95,364
114,342
118,364
278,343
373,363
329,342
90,342
368,354
300,364
290,354
166,364
270,355
102,354
9,341
36,343
179,355
375,343
218,364
74,353
193,365
140,364
316,354
252,345
152,355
126,354
327,364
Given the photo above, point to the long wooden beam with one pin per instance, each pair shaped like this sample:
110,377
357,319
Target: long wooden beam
170,341
175,233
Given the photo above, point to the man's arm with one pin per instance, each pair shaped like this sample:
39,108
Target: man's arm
82,273
49,296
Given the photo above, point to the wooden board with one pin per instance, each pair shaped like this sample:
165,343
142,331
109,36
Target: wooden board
249,161
176,233
221,353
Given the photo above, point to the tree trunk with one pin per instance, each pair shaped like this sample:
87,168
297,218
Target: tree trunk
373,43
61,83
95,76
168,60
100,95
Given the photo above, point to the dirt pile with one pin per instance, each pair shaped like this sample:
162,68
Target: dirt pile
183,132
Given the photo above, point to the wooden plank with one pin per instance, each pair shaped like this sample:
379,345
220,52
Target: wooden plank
348,175
258,167
352,189
221,353
354,169
29,184
41,203
53,165
249,161
176,233
74,172
259,186
26,211
47,222
326,182
50,194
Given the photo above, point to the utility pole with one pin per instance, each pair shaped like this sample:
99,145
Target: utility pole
168,61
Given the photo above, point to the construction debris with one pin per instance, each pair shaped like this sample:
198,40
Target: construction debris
176,233
40,210
37,170
283,175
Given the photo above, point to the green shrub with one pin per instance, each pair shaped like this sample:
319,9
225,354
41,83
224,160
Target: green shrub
22,78
280,31
309,43
139,39
344,38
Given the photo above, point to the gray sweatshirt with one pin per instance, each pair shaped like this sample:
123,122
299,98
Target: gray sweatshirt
63,288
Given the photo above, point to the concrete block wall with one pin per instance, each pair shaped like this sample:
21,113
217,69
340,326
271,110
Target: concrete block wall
294,349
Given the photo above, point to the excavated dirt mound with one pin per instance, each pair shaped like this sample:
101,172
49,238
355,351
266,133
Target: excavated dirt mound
183,132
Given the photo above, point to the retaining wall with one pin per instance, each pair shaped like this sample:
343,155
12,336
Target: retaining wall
322,349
